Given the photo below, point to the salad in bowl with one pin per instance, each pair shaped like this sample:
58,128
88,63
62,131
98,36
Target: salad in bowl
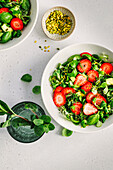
14,16
17,20
83,89
77,87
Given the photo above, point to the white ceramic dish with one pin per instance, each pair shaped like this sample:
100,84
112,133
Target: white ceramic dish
27,30
47,92
57,37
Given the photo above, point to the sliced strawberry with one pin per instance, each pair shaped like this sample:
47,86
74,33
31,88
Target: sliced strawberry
85,53
89,109
17,24
92,75
77,108
59,99
107,68
68,90
4,10
80,80
90,97
58,89
99,99
84,65
87,87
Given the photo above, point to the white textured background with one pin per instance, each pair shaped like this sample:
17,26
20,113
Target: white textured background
52,151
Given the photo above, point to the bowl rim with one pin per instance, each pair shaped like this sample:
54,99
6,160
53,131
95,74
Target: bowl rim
75,22
42,82
21,41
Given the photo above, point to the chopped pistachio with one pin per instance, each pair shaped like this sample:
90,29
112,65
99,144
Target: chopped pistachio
58,48
45,47
58,23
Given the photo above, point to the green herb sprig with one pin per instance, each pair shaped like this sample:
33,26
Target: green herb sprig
39,124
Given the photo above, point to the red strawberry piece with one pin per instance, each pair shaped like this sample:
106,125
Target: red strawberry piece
92,75
4,10
90,97
17,24
68,90
59,99
99,99
87,87
58,89
16,0
89,109
80,80
77,108
84,65
107,68
85,53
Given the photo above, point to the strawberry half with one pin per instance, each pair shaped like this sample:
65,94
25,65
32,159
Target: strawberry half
90,97
107,68
92,75
58,89
84,65
89,109
3,10
16,24
99,99
87,87
80,80
68,90
59,99
85,53
77,108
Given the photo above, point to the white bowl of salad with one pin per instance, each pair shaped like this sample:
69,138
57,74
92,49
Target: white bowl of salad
17,20
77,87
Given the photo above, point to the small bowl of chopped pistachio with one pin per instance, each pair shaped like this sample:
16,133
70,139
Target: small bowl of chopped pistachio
58,23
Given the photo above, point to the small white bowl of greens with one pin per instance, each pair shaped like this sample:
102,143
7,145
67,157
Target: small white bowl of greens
17,20
77,87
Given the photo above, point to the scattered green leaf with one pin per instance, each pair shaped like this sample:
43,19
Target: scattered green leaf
36,90
66,132
26,78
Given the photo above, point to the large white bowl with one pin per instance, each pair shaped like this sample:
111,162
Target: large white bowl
47,92
27,30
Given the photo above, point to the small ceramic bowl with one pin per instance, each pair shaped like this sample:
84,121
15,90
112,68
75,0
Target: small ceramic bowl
57,36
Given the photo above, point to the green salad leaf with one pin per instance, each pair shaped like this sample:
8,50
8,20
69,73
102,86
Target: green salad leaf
66,132
93,119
